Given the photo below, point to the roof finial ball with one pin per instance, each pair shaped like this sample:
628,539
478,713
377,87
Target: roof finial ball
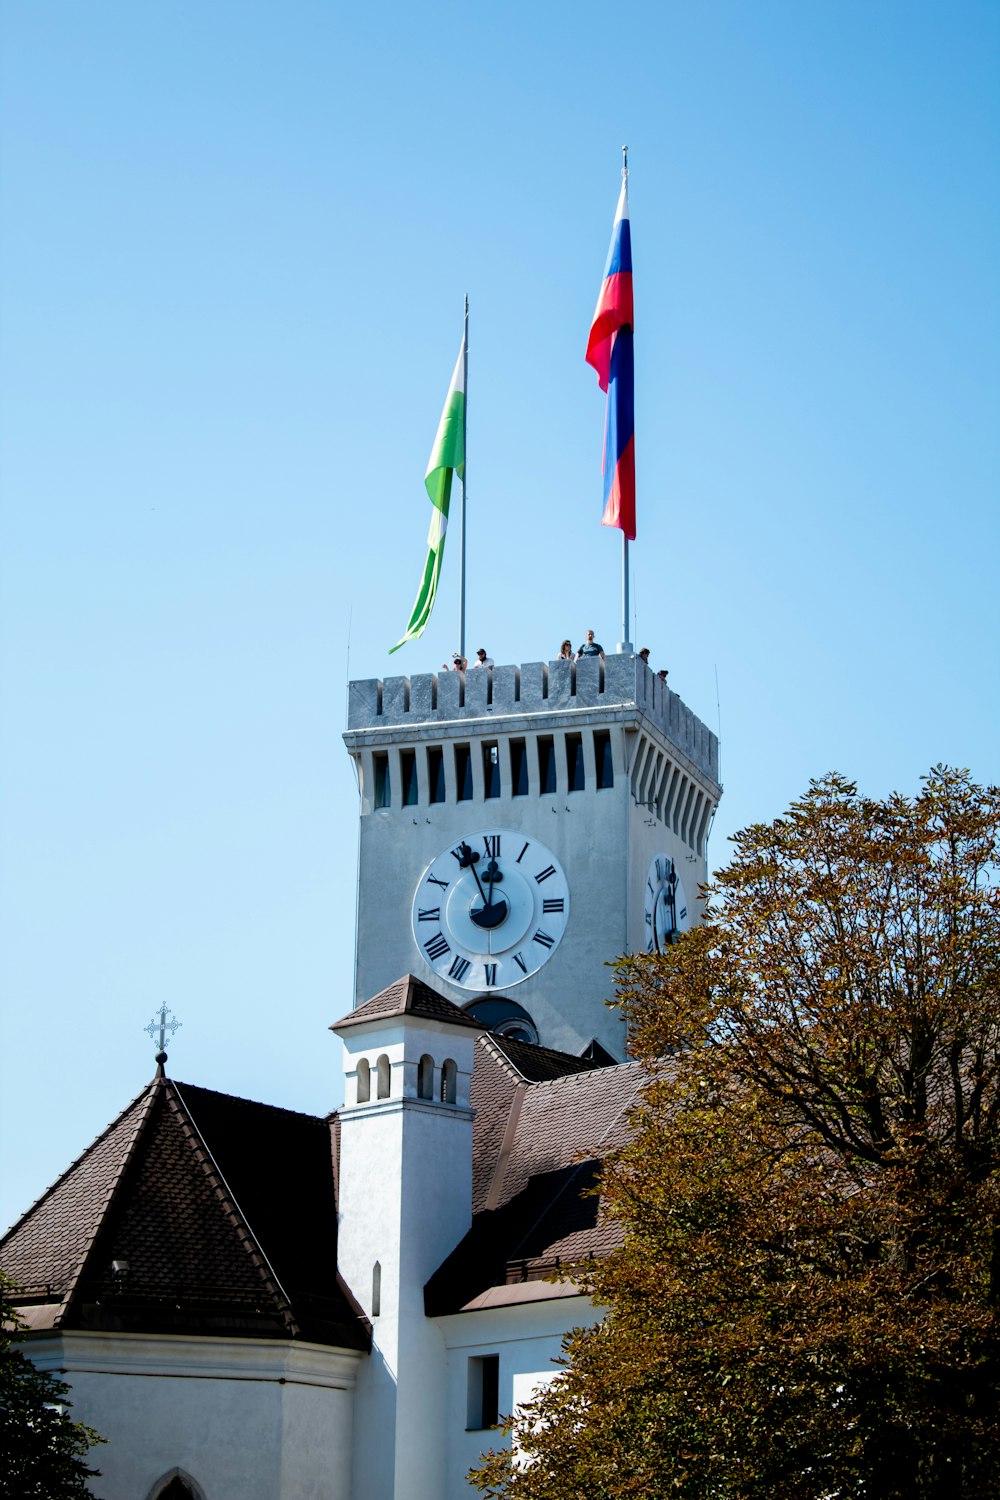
158,1027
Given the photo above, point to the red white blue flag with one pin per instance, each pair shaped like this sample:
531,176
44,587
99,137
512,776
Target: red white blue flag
609,350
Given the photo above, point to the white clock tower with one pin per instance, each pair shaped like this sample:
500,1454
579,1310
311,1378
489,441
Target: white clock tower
520,827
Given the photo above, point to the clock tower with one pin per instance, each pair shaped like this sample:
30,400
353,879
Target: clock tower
520,827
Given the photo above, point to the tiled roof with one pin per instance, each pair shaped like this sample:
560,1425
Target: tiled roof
411,997
536,1063
538,1148
222,1210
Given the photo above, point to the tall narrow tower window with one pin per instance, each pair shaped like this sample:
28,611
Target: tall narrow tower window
463,773
491,769
384,1076
546,765
574,762
383,788
449,1081
408,771
435,773
364,1074
425,1077
376,1289
518,769
602,754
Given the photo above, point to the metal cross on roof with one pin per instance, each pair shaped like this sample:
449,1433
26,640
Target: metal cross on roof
160,1024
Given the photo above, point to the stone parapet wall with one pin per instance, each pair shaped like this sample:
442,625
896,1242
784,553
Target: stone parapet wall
536,687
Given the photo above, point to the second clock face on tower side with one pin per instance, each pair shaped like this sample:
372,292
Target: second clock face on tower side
666,905
490,909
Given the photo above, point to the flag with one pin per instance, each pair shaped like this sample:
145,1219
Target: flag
609,350
447,458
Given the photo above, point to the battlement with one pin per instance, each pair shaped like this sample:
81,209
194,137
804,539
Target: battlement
620,683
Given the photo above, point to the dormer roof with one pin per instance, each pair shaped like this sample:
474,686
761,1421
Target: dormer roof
408,996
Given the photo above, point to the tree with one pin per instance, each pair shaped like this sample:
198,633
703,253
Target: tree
42,1450
806,1301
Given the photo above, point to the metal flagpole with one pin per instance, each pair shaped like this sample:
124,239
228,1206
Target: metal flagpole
465,471
626,644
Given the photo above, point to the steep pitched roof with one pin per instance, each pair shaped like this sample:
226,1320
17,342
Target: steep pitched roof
408,996
221,1212
538,1148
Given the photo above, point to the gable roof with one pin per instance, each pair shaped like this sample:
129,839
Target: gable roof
537,1152
220,1213
408,996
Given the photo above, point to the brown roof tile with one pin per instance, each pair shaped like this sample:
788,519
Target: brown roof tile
222,1209
407,996
537,1158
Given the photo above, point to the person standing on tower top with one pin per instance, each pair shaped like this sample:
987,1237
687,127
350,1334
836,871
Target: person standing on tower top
590,647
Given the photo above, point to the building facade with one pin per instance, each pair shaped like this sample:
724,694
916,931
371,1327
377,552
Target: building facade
252,1303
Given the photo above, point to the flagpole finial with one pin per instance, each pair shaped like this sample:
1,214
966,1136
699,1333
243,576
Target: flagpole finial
624,161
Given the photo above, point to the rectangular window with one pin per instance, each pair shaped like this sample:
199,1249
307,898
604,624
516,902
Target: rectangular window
435,773
484,1392
491,770
546,766
574,762
602,754
463,773
408,771
518,769
383,788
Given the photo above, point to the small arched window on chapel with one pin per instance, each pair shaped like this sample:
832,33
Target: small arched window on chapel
449,1081
382,1069
425,1077
364,1081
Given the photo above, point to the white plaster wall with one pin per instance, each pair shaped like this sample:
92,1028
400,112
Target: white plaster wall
248,1420
405,1201
528,1339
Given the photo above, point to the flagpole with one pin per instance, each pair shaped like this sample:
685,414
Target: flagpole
465,470
626,644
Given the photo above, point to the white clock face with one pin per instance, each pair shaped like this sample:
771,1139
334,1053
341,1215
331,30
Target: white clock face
666,906
490,910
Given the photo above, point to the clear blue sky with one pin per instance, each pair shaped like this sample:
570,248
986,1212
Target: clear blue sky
236,240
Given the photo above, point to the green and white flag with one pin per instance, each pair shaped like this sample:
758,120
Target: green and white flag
447,458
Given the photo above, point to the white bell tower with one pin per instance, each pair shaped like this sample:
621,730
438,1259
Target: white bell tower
404,1202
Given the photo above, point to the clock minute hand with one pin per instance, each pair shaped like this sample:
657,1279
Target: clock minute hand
468,861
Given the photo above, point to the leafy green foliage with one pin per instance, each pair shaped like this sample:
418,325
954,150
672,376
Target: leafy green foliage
805,1303
42,1451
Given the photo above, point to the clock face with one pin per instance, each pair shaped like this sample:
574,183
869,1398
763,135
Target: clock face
490,910
666,906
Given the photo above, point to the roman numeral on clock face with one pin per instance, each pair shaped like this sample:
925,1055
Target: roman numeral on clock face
459,968
518,959
491,973
522,853
433,880
428,914
437,946
543,938
544,874
555,904
492,843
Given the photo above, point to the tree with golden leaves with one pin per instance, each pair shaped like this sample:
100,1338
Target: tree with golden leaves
805,1305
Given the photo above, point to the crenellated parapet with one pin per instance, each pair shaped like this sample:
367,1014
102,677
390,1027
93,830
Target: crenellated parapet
620,683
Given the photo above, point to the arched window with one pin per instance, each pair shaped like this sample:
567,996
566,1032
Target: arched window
376,1289
449,1081
382,1067
425,1077
176,1485
364,1081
